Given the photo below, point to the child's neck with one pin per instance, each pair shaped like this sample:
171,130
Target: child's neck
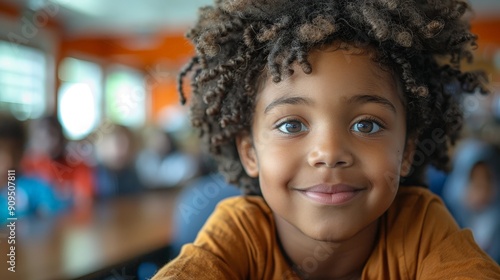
315,259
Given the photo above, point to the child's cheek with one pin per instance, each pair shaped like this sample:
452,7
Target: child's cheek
382,168
277,164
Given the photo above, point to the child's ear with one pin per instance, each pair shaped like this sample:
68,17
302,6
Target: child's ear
248,158
409,152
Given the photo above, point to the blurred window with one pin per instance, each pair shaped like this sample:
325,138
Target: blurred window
79,97
125,96
23,80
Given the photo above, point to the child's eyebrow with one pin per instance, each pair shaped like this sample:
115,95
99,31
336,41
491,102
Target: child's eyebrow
294,100
368,98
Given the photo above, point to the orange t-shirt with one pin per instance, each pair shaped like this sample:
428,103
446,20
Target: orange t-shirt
418,239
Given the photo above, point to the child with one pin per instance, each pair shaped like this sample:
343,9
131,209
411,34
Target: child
29,196
320,110
48,158
115,173
472,193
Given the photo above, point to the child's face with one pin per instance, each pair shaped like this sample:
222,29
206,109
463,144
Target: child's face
340,129
115,150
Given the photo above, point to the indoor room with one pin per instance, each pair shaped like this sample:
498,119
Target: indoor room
104,176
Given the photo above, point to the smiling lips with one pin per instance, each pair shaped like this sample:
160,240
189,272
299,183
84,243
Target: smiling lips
331,194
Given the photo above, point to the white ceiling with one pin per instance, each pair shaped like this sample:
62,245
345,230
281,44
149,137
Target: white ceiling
114,17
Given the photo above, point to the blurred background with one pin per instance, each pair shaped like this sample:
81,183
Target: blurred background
107,168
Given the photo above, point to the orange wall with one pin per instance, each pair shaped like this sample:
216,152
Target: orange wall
171,47
487,30
489,45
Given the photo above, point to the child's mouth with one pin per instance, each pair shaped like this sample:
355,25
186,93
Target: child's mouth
331,194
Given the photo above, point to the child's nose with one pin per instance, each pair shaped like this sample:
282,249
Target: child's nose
330,151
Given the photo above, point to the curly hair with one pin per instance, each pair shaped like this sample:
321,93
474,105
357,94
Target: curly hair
241,42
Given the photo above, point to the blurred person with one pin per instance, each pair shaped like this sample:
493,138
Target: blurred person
31,195
162,164
472,192
47,157
115,172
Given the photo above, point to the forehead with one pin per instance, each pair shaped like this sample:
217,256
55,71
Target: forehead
342,70
355,63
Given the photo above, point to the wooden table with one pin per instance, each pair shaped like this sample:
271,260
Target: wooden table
81,242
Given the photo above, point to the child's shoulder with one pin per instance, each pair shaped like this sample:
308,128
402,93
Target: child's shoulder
417,203
415,195
245,219
416,215
419,237
244,204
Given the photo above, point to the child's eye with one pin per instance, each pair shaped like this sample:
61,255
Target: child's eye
291,127
366,127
